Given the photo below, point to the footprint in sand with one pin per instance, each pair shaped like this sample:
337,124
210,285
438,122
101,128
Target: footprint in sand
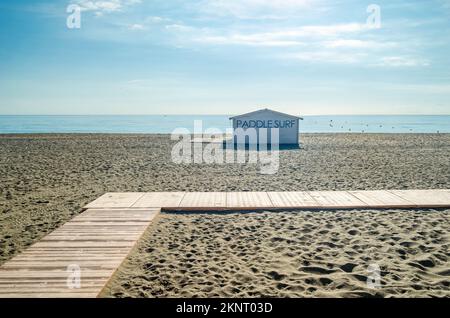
276,276
348,267
316,270
426,263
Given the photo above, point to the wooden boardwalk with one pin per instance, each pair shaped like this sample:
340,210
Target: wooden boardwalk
93,244
275,200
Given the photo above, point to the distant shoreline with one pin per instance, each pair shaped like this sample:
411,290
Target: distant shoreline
80,134
166,124
191,115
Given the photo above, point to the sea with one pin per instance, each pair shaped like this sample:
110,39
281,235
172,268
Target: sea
165,124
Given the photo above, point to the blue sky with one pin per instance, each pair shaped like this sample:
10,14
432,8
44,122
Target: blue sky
225,57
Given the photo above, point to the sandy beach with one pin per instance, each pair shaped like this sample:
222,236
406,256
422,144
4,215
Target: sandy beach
46,179
290,254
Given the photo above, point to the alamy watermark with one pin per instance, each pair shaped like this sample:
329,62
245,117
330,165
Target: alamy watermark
73,20
374,19
74,276
374,278
213,146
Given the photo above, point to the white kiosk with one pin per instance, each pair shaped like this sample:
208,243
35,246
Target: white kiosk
263,124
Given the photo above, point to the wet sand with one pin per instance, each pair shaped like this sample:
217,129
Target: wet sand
46,179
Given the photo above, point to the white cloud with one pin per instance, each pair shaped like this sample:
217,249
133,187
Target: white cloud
282,37
402,61
245,40
327,57
345,43
358,44
337,44
314,31
355,57
424,88
273,4
179,27
105,6
251,8
445,4
332,30
157,20
136,27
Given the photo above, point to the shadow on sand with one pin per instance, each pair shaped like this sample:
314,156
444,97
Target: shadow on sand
265,148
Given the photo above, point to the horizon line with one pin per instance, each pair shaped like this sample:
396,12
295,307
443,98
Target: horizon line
310,115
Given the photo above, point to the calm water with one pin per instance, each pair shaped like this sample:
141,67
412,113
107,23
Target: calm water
166,124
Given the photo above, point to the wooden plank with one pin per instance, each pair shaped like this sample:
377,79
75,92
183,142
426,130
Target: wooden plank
87,231
55,283
203,200
292,200
382,199
39,288
105,259
239,200
74,251
160,199
117,212
336,199
81,261
83,244
102,227
45,281
32,288
36,284
29,266
69,236
106,217
44,274
112,219
65,260
50,295
45,265
116,200
425,198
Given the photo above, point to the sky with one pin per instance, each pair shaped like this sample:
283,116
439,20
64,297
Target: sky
308,57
